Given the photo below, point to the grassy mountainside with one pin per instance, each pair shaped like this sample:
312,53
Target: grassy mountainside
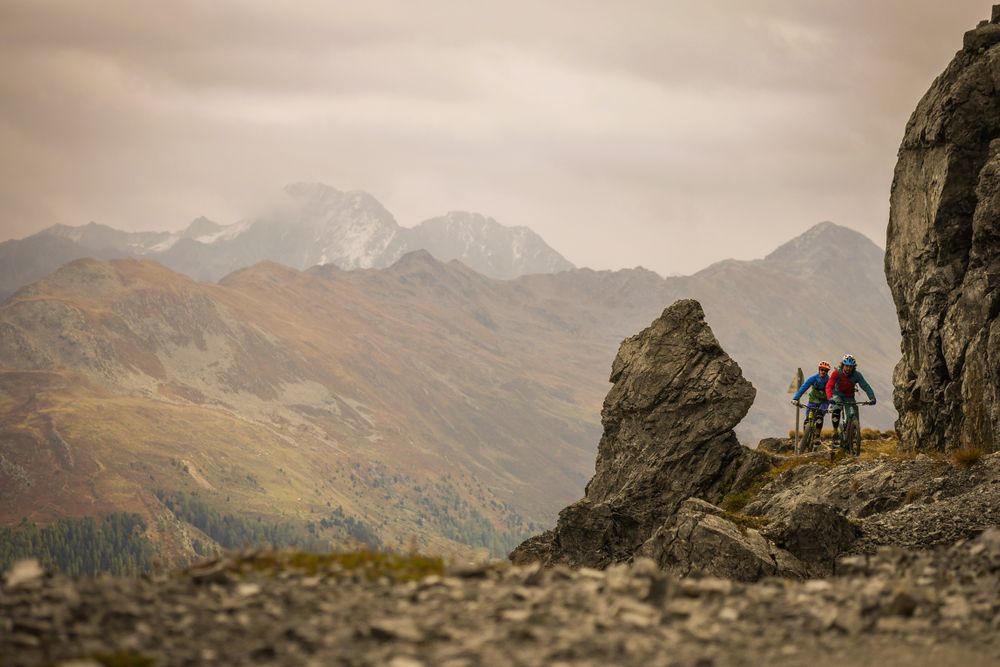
288,396
422,404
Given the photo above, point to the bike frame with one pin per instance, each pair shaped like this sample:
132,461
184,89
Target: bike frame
812,414
850,410
851,413
849,406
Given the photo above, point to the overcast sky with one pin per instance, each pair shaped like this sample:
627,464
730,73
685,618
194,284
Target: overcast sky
665,134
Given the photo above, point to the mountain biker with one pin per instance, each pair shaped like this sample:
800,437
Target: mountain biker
816,386
840,386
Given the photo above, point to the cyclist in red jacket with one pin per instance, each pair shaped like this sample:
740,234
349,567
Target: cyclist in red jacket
840,386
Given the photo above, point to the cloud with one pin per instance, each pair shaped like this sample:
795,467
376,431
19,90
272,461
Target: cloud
664,134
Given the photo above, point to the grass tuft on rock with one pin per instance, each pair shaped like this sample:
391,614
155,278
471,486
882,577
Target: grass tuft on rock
370,565
745,521
967,456
736,501
123,659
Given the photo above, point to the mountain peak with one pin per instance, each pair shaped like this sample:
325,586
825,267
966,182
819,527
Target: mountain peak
468,217
822,237
201,226
303,190
485,245
415,259
827,247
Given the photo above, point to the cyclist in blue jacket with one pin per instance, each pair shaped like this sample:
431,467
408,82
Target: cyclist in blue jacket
816,386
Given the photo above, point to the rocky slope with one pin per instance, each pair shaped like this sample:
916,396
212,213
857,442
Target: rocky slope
894,608
943,255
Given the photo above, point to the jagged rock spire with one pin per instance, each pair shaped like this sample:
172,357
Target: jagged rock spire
668,435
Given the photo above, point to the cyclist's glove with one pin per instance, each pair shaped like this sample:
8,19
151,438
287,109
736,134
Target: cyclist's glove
873,400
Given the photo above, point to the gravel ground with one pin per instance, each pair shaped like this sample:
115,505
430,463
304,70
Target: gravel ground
893,607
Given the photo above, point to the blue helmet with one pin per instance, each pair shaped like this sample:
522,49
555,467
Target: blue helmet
848,360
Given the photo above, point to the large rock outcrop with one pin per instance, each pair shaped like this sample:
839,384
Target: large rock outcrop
943,255
668,436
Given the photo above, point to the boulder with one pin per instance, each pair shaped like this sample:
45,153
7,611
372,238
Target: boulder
776,446
943,256
816,533
701,541
668,435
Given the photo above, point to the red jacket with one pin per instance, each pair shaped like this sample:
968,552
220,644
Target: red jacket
843,384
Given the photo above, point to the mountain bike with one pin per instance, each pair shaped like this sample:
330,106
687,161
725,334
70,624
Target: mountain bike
811,428
850,426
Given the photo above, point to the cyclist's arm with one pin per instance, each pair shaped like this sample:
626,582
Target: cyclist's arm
830,384
804,387
867,387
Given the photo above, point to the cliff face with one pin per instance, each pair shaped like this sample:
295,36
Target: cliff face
943,255
668,435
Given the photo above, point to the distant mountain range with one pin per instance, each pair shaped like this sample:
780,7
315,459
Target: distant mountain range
317,225
426,402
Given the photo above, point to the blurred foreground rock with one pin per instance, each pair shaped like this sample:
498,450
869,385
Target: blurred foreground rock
894,607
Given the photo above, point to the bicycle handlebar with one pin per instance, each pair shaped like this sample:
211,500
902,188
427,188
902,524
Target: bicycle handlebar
833,402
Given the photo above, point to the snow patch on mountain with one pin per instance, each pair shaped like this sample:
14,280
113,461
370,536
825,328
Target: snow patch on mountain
319,224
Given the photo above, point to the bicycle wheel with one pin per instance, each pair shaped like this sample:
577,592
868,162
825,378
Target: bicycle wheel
852,434
855,440
808,437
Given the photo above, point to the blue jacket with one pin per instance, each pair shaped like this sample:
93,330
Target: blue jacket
818,386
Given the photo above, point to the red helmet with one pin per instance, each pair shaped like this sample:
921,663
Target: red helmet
824,365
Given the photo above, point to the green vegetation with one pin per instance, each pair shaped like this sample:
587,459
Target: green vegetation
237,532
114,543
745,521
369,565
456,519
735,501
356,528
123,659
